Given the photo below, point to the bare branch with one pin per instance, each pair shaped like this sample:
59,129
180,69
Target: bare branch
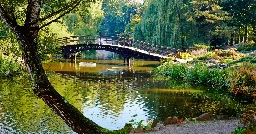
66,10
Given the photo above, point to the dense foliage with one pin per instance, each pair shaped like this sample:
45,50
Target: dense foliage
198,73
117,14
86,20
183,23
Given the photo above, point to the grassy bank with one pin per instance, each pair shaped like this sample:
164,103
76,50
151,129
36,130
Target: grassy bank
226,71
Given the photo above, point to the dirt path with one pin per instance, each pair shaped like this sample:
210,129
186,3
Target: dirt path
205,127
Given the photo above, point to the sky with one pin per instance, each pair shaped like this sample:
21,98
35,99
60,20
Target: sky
141,1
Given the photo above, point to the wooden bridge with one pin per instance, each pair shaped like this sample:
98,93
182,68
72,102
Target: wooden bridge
126,47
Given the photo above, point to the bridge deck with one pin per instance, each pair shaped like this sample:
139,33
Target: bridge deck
136,49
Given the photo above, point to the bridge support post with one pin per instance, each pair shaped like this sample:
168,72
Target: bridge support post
73,57
127,60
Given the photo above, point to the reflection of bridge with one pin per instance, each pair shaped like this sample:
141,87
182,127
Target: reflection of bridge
127,48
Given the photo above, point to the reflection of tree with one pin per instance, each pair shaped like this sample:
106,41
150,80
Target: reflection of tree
111,95
164,104
161,102
25,113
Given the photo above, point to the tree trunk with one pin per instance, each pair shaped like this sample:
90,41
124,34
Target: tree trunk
239,35
245,33
44,90
27,35
254,33
232,38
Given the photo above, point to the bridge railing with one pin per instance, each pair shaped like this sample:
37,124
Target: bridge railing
117,40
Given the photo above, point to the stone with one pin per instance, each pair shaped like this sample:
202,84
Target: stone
139,129
171,120
222,117
204,117
167,121
174,120
154,123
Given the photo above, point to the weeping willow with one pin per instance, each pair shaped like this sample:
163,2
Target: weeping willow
163,23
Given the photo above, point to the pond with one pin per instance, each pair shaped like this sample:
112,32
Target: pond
110,94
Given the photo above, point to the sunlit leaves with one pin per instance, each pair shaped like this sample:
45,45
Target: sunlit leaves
86,20
117,14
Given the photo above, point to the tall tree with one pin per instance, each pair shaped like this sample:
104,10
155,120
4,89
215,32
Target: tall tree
25,19
117,14
243,13
163,23
86,20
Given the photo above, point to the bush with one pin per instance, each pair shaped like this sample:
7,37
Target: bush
207,55
250,59
9,68
243,80
247,46
171,70
197,74
240,80
202,46
219,54
183,55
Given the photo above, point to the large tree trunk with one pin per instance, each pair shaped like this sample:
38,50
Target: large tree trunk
44,90
27,35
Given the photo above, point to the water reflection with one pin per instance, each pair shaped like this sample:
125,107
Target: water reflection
110,94
22,112
113,93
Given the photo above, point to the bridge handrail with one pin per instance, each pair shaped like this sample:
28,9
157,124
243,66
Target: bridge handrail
116,40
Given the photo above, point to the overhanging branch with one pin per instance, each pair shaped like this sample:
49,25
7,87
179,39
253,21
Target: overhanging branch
65,11
11,22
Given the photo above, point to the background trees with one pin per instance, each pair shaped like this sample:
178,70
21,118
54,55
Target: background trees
86,19
117,14
184,23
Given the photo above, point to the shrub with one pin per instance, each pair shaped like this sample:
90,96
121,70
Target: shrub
250,59
208,55
202,46
171,70
197,74
247,46
9,68
183,55
243,80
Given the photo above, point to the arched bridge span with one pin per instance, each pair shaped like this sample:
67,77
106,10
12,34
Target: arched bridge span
126,47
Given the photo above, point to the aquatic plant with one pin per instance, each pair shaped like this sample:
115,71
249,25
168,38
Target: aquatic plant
197,74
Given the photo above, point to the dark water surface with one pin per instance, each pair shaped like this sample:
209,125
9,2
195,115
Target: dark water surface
110,93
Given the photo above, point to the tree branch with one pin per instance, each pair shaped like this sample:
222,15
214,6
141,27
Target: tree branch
67,10
33,13
11,22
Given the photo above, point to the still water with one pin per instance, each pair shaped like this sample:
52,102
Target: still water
107,92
